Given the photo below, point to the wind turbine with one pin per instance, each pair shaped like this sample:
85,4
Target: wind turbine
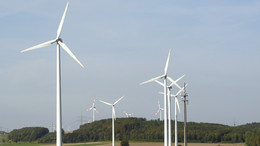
164,76
169,103
159,110
128,115
113,117
59,42
93,108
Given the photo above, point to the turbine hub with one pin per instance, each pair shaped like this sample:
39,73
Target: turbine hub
59,40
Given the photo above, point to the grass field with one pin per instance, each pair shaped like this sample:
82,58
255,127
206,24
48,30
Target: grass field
131,144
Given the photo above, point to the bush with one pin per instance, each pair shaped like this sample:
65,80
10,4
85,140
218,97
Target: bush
124,143
48,138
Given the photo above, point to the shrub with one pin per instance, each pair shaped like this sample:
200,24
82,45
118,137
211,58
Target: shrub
124,142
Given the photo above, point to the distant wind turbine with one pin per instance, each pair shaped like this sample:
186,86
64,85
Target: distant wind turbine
169,103
164,76
128,115
159,110
59,42
113,117
93,108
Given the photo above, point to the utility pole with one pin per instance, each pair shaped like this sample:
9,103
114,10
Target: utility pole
185,115
52,126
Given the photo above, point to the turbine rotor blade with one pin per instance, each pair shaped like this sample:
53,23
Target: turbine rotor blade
167,63
161,92
179,78
176,80
118,100
45,44
95,110
172,95
159,82
178,105
69,52
157,112
89,109
62,21
106,102
182,89
173,82
153,79
93,102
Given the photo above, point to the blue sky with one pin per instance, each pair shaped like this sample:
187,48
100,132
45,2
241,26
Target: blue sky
214,43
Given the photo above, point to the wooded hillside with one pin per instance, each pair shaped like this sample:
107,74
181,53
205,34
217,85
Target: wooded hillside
139,129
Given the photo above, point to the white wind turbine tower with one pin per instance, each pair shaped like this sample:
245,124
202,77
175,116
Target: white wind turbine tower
59,42
128,115
113,117
169,103
93,108
159,110
164,76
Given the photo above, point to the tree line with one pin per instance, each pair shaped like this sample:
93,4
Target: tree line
139,129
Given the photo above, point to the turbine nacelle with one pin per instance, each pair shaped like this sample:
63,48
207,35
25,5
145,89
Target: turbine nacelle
59,40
